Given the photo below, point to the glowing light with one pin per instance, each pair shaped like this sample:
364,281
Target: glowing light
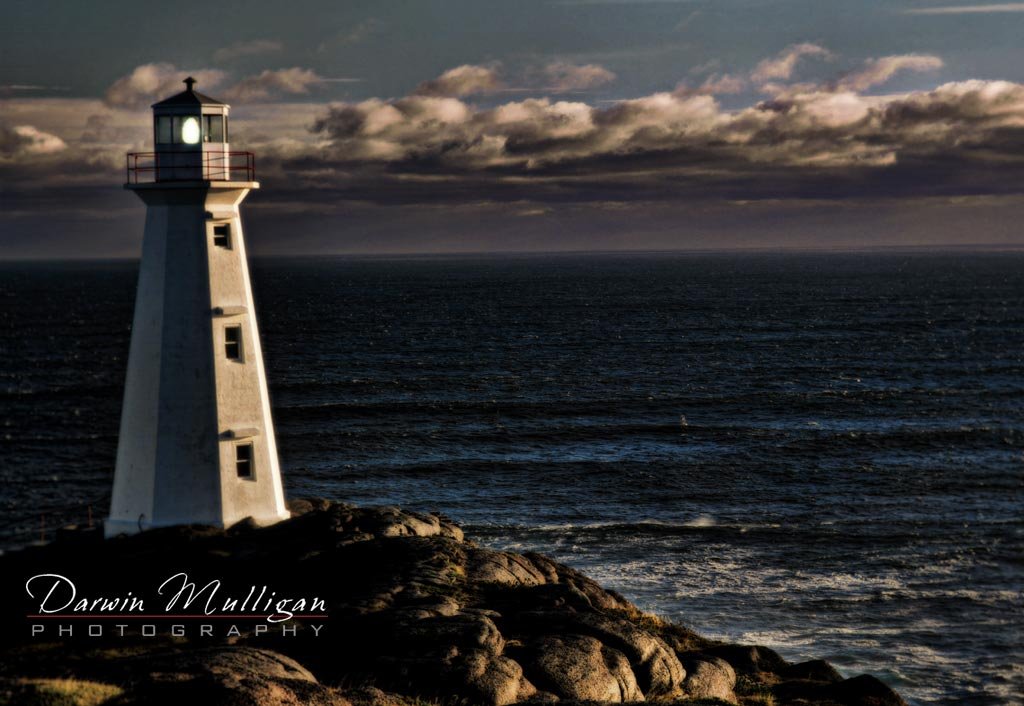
190,131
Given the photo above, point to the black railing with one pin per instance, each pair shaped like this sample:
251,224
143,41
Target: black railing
151,167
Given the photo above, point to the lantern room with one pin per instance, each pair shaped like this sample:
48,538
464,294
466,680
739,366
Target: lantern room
190,121
190,143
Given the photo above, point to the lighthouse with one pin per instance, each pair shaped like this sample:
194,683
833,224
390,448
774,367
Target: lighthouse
196,442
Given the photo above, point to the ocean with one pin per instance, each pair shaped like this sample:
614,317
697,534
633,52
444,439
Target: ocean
822,453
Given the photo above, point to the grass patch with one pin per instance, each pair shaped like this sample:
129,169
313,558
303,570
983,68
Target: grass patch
679,637
58,692
751,691
761,700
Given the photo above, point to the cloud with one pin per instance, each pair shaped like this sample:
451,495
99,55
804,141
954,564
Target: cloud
967,9
563,77
726,83
554,77
464,80
149,83
620,2
962,139
417,169
676,146
36,141
20,141
254,47
294,81
783,65
878,71
716,84
12,89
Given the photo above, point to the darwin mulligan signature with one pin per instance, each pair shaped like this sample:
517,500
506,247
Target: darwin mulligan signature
56,599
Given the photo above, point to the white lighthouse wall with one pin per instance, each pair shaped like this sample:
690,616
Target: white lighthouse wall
186,404
243,402
132,499
173,443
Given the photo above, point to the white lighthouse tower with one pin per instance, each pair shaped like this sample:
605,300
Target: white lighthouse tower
197,442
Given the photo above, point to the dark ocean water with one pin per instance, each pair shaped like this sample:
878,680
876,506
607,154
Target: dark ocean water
847,483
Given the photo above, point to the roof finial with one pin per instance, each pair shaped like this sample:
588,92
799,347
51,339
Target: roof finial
189,82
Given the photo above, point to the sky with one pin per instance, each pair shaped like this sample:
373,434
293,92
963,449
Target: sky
432,126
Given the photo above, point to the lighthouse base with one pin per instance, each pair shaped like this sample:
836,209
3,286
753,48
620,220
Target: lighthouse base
117,528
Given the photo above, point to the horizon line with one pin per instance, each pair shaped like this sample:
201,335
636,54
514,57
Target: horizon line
780,249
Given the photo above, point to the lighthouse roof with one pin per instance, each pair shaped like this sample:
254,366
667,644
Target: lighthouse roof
188,97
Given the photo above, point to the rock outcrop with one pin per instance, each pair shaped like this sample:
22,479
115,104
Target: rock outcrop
710,677
415,613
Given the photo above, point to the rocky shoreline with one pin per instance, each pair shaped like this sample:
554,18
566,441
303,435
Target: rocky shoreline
417,614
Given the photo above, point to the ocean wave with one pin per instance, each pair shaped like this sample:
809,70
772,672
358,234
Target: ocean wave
636,528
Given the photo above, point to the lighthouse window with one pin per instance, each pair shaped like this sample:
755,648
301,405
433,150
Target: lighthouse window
222,235
243,461
233,342
164,133
176,129
213,128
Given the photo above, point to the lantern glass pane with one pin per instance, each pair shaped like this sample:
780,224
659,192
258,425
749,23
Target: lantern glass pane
214,128
164,135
